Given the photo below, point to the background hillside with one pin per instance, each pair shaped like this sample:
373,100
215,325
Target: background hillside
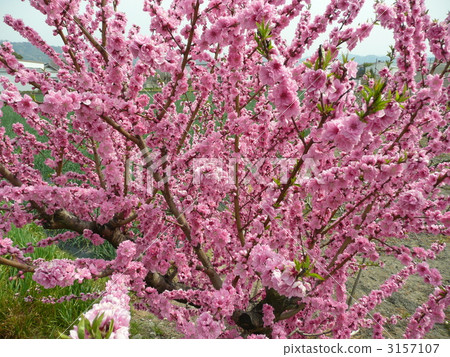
31,53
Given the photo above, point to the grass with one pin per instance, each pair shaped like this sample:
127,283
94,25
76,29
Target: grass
35,319
82,248
144,325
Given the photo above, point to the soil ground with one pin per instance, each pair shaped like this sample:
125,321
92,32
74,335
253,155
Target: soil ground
414,293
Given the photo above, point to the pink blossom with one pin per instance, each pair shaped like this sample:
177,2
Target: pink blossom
411,201
55,273
205,327
423,269
315,79
286,100
268,315
404,258
241,179
352,68
435,83
330,130
115,306
5,244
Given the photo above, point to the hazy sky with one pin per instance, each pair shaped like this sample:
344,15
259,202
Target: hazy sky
377,44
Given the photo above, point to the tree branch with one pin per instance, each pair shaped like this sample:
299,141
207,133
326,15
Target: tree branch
15,264
91,39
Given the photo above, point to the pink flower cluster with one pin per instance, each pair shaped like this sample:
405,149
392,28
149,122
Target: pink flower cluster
5,245
277,273
115,306
60,102
64,272
429,313
345,132
430,275
57,238
205,327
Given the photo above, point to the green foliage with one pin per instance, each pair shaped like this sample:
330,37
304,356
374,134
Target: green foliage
323,61
17,55
305,267
304,133
402,96
80,247
374,98
391,55
404,158
88,330
325,109
262,38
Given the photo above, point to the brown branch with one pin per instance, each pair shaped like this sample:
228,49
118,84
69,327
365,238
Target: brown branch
120,129
188,126
125,221
98,165
103,4
237,208
91,39
440,179
62,219
15,264
26,268
180,218
9,176
444,71
71,53
291,181
195,112
405,129
251,98
184,63
324,230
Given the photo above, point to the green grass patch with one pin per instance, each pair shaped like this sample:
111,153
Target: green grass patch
35,319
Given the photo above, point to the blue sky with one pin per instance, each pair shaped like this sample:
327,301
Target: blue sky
377,44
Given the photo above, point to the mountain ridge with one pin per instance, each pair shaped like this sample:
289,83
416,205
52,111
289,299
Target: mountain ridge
31,53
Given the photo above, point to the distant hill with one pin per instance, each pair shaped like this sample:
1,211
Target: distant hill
31,53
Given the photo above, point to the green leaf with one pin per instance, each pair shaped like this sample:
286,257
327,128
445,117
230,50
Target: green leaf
305,133
298,265
88,329
404,158
307,261
81,328
110,329
98,335
317,276
97,321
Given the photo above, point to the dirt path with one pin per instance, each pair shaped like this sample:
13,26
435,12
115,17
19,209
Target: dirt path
414,293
